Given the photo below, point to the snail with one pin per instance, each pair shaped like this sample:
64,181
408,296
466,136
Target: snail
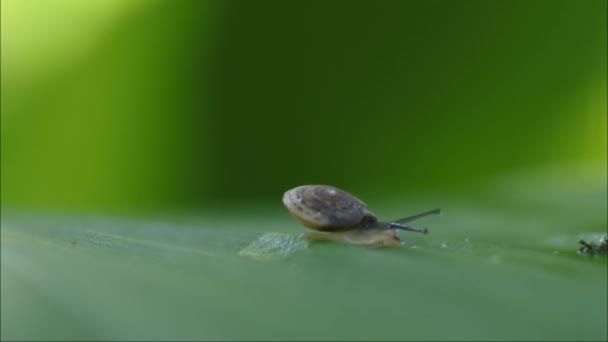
337,215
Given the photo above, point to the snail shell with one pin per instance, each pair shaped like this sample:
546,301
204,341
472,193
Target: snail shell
326,208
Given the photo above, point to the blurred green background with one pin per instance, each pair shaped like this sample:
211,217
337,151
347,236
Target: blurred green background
146,146
131,105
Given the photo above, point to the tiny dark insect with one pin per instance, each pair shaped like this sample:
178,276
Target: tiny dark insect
601,248
342,217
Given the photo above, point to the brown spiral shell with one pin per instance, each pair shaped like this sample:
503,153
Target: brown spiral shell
326,208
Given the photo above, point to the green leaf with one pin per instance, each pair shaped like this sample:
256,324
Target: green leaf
505,268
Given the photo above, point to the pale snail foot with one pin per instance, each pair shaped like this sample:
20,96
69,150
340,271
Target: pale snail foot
372,238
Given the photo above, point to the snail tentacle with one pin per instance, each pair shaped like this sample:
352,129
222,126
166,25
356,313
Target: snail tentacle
418,216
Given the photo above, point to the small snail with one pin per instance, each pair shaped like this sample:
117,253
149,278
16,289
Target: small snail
343,217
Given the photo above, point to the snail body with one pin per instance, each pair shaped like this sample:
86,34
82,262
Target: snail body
339,216
372,237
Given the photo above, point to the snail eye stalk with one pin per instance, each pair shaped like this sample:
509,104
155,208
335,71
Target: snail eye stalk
407,227
418,216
